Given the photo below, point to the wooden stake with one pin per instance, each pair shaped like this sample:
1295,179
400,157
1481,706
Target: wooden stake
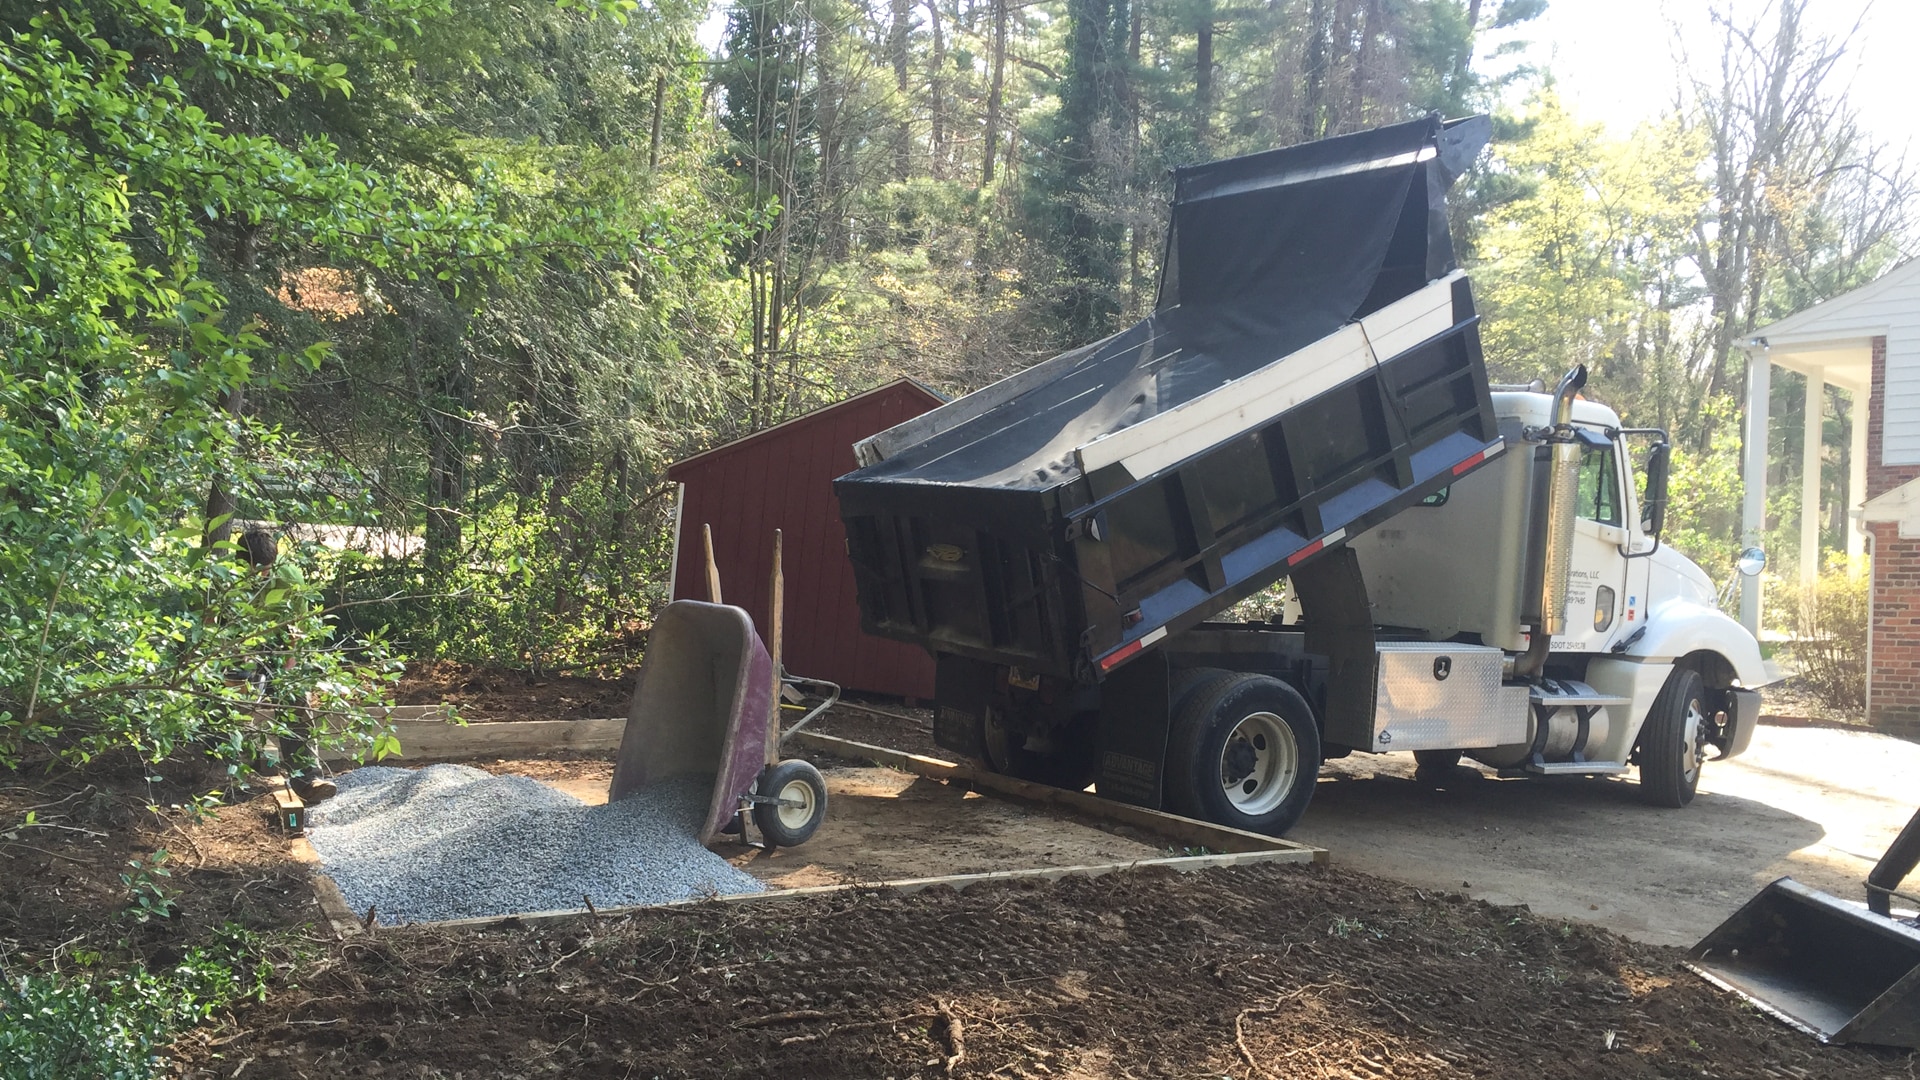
713,568
776,614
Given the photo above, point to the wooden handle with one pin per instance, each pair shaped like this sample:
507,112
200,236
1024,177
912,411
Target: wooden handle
713,568
776,612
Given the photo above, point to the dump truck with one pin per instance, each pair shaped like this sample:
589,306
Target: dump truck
1477,569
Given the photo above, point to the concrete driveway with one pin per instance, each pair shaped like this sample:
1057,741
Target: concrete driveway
1819,804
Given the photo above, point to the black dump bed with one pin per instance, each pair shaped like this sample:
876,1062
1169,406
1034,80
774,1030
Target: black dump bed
1312,366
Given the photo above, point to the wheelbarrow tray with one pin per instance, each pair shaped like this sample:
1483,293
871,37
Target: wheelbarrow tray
1826,966
701,708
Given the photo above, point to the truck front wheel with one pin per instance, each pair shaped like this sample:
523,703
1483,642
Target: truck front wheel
1244,752
1674,740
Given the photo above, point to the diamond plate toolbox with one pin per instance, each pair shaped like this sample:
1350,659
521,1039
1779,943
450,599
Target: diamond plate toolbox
1430,696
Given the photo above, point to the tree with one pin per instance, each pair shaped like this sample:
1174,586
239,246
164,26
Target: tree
1788,164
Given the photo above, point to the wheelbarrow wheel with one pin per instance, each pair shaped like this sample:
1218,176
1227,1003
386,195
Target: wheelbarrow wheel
799,803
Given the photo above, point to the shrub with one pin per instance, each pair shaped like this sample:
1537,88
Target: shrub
1830,639
112,1024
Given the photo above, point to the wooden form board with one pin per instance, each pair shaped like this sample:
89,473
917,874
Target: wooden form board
443,741
904,886
1189,831
1234,847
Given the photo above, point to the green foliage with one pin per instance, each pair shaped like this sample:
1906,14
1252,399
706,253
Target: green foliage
1830,639
538,587
146,898
1703,497
111,1024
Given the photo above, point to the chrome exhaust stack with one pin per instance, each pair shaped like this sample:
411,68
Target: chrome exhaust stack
1556,523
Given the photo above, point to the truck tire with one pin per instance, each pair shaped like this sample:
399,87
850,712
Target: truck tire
1673,740
1244,752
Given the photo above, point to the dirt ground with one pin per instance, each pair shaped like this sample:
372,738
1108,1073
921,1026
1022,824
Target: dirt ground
482,694
1820,803
1251,972
887,825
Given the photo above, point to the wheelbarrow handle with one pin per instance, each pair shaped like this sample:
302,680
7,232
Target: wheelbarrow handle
833,696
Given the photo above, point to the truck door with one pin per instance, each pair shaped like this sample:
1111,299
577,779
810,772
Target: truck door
1597,597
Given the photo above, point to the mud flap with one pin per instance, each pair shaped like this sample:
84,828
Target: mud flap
1743,715
962,693
1133,731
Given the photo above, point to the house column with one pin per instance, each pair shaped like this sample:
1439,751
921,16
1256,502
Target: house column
1753,509
1856,483
1810,438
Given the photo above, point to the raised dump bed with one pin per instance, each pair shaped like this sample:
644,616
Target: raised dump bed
1313,365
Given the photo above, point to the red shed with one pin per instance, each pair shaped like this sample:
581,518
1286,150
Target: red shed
782,478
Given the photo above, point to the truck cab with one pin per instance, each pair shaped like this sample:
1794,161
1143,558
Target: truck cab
1640,617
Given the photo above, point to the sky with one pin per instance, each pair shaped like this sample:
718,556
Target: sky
1617,61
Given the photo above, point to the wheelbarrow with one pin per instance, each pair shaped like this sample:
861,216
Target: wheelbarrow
704,707
1840,971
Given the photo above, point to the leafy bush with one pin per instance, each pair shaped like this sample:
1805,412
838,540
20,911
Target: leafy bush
110,1025
562,579
1830,639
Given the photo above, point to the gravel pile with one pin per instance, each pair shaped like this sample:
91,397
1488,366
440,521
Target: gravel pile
453,842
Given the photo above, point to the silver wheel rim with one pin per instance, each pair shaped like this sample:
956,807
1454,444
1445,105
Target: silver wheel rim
1259,764
1692,737
796,804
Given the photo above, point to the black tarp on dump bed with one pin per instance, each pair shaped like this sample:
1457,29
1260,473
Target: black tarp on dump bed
1265,254
971,528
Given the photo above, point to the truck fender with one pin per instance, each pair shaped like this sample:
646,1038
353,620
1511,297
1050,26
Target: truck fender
1680,627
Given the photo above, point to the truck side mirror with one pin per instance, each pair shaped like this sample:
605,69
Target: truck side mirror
1659,462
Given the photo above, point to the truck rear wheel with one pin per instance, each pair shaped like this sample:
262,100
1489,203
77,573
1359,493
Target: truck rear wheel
1244,752
1674,740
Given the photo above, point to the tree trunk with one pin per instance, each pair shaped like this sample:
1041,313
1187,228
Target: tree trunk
833,181
1203,76
653,137
997,66
1313,107
897,32
219,498
446,477
937,93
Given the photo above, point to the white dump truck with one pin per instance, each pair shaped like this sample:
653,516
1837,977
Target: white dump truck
1477,569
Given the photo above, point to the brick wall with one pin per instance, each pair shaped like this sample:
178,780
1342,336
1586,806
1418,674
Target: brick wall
1893,694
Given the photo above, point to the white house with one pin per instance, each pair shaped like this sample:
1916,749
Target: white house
1867,342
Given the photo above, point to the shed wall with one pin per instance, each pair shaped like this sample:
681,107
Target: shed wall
783,479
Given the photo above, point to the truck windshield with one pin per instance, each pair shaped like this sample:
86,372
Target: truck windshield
1599,487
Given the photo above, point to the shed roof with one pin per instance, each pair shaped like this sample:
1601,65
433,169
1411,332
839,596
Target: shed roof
786,428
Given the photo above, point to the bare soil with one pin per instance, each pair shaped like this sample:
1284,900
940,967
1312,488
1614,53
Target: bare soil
1257,971
1266,971
482,694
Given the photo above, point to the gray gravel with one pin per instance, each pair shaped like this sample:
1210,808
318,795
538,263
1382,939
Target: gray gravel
453,842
